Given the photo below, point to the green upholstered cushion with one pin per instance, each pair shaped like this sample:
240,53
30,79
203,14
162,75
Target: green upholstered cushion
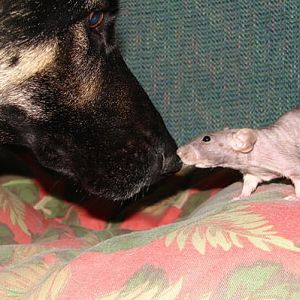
208,64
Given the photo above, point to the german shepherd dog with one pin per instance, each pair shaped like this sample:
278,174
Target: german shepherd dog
67,94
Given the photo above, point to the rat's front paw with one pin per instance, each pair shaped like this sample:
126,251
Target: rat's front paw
236,198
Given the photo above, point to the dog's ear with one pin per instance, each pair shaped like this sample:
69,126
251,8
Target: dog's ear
244,140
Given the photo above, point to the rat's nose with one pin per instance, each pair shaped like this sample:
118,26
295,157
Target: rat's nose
188,154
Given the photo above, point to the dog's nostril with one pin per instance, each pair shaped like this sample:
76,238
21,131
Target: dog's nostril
171,164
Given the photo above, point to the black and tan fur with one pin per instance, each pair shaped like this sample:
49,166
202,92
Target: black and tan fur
66,93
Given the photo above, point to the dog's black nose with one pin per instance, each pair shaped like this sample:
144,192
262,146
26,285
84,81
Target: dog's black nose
171,164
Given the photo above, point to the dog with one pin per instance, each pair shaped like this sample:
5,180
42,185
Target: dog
67,94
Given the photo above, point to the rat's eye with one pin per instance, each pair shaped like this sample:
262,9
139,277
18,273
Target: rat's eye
206,139
96,18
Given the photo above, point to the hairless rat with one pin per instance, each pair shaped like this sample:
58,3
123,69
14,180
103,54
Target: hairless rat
259,154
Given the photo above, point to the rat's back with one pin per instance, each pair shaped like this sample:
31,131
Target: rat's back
290,121
278,146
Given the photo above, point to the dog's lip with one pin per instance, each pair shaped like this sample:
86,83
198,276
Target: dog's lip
121,191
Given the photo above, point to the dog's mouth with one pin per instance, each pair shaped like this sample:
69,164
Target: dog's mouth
116,189
125,182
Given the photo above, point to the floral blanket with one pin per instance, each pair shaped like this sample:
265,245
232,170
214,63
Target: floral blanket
185,240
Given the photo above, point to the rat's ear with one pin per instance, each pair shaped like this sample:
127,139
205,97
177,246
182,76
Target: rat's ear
244,140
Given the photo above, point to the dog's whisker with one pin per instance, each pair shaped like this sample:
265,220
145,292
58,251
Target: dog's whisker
163,160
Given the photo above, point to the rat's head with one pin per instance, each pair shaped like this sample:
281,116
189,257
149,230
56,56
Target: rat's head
67,94
217,148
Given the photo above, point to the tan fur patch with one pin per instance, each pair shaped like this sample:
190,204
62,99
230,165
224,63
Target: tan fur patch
80,44
88,90
21,99
87,87
31,61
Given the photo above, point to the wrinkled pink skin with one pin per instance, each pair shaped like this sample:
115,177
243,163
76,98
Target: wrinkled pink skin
259,154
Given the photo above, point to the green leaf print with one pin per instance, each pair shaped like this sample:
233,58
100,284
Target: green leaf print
52,234
16,208
147,283
25,189
6,235
51,207
230,228
261,281
6,238
34,280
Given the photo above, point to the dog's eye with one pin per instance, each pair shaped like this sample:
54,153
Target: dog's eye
96,18
206,139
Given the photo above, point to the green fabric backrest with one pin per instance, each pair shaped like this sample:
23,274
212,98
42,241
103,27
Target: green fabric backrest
211,64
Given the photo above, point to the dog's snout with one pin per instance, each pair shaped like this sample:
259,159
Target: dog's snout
171,164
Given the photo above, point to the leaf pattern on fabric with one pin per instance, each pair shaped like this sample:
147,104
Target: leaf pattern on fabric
63,257
206,296
6,235
148,283
230,228
16,208
33,280
51,207
52,234
260,281
23,188
22,252
71,218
